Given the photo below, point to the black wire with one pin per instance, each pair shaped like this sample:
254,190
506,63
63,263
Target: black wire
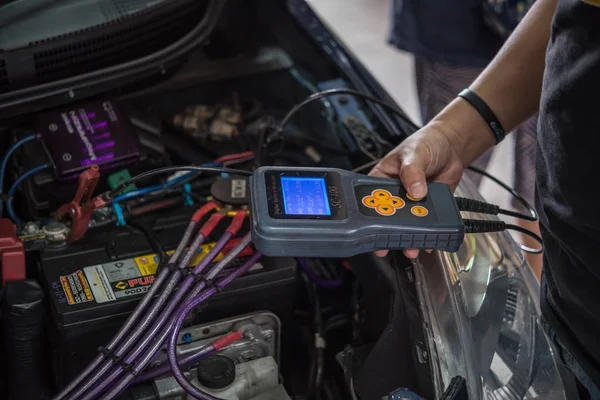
531,234
166,170
533,214
152,240
334,92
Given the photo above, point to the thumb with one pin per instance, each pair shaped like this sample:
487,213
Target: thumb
412,174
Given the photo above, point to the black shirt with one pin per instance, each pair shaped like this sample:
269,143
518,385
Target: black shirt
452,32
568,181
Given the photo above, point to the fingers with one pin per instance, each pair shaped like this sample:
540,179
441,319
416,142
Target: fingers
411,253
414,180
381,253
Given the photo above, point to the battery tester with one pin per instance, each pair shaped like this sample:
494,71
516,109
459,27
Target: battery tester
326,212
323,212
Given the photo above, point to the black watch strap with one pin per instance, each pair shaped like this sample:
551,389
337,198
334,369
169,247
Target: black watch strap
486,113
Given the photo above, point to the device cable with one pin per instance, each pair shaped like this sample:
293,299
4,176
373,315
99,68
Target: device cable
476,206
513,192
483,226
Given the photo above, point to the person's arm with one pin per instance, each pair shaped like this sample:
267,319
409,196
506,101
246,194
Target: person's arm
511,85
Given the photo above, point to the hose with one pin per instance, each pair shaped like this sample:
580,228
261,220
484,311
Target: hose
180,319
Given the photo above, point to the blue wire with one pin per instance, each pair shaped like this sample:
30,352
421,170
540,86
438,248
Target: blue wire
15,186
154,188
7,155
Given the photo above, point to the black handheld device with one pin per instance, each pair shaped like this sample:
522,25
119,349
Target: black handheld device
324,212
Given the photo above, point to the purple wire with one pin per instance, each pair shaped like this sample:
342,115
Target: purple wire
164,317
150,353
316,278
145,323
134,317
180,319
186,361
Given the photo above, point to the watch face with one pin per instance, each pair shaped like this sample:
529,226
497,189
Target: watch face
304,195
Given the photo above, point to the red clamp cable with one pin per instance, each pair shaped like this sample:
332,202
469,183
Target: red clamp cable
211,224
12,253
237,222
226,340
202,211
80,210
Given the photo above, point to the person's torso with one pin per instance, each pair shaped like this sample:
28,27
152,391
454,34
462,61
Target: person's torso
568,180
451,32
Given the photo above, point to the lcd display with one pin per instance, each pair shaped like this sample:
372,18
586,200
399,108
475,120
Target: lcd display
305,196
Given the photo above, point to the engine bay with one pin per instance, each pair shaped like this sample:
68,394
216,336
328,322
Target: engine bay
75,269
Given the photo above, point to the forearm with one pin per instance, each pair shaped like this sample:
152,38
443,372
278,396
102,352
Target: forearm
511,85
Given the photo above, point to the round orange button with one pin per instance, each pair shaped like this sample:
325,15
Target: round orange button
396,202
386,210
370,201
381,194
412,197
419,211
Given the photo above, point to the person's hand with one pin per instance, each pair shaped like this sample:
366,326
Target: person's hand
432,153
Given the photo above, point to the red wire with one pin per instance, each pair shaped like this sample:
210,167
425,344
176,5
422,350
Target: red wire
232,157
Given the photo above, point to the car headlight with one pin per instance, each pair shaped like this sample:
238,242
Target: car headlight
481,313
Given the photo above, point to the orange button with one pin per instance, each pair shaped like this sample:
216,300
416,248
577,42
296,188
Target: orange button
419,211
381,194
412,198
385,210
396,202
370,201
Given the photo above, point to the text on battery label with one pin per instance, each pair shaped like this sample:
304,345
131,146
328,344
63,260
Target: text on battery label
99,283
76,288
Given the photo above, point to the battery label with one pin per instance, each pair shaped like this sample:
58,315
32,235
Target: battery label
99,283
148,264
124,278
76,288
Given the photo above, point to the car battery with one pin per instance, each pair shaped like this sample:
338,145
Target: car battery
94,285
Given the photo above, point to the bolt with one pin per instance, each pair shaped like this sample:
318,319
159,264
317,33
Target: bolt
31,228
71,94
187,337
268,337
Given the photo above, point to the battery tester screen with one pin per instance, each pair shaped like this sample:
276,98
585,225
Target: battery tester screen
305,196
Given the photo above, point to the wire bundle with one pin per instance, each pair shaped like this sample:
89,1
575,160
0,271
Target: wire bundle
123,361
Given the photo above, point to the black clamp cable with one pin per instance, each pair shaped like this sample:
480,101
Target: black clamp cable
483,226
486,113
471,205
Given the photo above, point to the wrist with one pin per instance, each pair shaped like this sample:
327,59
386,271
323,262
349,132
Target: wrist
467,131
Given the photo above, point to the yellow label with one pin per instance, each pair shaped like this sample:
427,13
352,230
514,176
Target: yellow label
592,2
148,263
